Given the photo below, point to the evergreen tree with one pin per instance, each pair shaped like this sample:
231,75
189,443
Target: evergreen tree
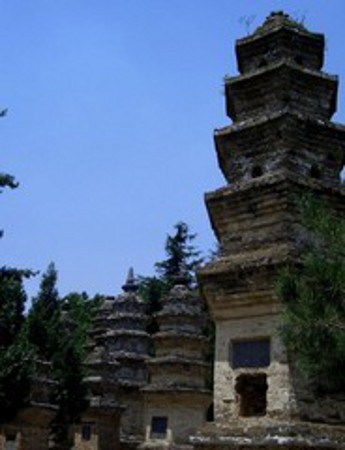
152,289
75,319
58,329
182,257
313,296
15,350
43,320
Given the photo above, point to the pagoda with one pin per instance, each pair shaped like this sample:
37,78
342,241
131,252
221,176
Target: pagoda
281,143
131,345
31,427
177,397
117,369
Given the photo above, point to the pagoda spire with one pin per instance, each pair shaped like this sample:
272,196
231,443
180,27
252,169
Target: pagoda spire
131,284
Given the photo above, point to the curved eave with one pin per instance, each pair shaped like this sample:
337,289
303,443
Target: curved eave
167,335
249,123
268,30
130,357
273,178
123,332
176,390
250,260
171,361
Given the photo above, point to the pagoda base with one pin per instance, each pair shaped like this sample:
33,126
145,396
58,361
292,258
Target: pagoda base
253,435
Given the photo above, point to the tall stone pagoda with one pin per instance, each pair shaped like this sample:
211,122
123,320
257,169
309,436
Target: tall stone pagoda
177,398
281,142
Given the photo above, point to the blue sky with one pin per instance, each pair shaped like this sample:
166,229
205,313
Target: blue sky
112,106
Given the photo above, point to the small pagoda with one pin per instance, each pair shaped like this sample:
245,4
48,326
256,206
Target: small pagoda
281,143
31,428
99,428
120,353
131,345
177,397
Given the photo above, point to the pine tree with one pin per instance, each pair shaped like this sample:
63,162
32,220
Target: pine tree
58,329
313,296
43,316
15,351
74,324
182,257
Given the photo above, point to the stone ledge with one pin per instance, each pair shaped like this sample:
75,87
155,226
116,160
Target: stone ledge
289,435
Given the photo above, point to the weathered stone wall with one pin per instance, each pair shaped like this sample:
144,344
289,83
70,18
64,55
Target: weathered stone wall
132,420
281,141
280,398
81,444
266,47
30,429
104,432
281,86
188,374
183,418
259,435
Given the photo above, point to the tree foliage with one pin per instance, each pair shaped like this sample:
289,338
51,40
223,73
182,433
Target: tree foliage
7,180
182,259
15,351
313,296
43,319
58,329
74,324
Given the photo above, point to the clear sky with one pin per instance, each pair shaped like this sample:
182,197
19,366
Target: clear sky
112,106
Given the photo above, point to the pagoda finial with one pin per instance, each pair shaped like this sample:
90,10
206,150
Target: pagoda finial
278,19
130,284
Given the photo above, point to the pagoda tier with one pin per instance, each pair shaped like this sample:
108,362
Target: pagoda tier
262,214
179,344
282,85
119,329
279,38
281,145
308,147
177,397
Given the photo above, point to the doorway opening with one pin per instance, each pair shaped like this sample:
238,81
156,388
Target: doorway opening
252,390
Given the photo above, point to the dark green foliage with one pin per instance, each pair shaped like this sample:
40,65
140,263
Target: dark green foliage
16,367
313,296
74,323
58,330
43,319
7,180
151,290
182,257
12,302
16,363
